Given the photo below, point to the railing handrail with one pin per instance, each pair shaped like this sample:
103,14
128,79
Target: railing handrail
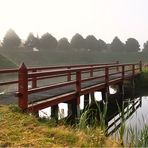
62,71
11,70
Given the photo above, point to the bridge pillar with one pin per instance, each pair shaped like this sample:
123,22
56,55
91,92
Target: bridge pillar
92,97
133,83
54,112
105,94
86,100
73,111
121,88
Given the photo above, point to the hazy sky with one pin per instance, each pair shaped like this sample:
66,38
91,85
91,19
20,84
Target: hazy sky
63,18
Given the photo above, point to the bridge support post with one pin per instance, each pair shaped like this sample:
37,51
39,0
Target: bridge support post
73,111
105,94
54,112
92,97
86,100
121,88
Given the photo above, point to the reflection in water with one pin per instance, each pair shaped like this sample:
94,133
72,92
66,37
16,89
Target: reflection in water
124,111
134,110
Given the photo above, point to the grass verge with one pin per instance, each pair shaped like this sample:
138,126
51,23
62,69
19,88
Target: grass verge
20,129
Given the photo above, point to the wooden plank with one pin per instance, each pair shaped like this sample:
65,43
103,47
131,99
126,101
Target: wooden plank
50,102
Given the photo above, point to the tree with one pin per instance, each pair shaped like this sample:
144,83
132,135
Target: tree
63,44
32,41
91,43
145,47
132,45
117,45
77,41
102,45
11,39
47,41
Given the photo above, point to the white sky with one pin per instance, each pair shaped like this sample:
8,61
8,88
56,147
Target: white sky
63,18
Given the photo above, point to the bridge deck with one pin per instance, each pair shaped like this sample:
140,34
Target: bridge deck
97,84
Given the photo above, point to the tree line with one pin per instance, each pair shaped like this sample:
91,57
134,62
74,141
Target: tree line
90,43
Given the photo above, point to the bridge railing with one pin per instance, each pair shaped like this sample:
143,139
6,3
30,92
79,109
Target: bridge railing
10,76
104,75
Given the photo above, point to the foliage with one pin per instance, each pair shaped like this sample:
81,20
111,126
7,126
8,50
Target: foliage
77,41
117,45
91,43
63,44
132,45
32,41
145,49
11,39
47,41
102,46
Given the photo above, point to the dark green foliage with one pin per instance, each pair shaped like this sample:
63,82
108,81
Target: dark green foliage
132,45
102,45
117,45
77,41
32,41
47,41
91,43
11,40
145,49
63,44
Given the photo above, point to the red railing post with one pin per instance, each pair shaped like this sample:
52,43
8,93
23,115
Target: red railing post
78,86
91,72
123,69
140,66
133,70
23,87
117,62
69,75
34,80
107,76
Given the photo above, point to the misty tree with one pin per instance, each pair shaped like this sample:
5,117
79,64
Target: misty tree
91,43
132,45
145,47
47,41
11,39
116,45
102,45
77,41
32,41
63,44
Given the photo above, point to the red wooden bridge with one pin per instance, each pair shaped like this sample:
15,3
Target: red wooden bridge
58,84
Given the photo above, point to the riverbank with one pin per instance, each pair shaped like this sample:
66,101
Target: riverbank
19,129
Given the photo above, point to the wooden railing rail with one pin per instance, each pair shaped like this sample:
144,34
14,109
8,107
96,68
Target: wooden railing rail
35,69
108,71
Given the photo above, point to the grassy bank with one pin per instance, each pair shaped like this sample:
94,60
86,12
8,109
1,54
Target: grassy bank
19,129
6,63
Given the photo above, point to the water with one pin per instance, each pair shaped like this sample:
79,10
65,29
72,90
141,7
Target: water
136,116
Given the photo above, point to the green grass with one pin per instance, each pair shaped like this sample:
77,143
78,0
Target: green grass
23,130
6,63
60,57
